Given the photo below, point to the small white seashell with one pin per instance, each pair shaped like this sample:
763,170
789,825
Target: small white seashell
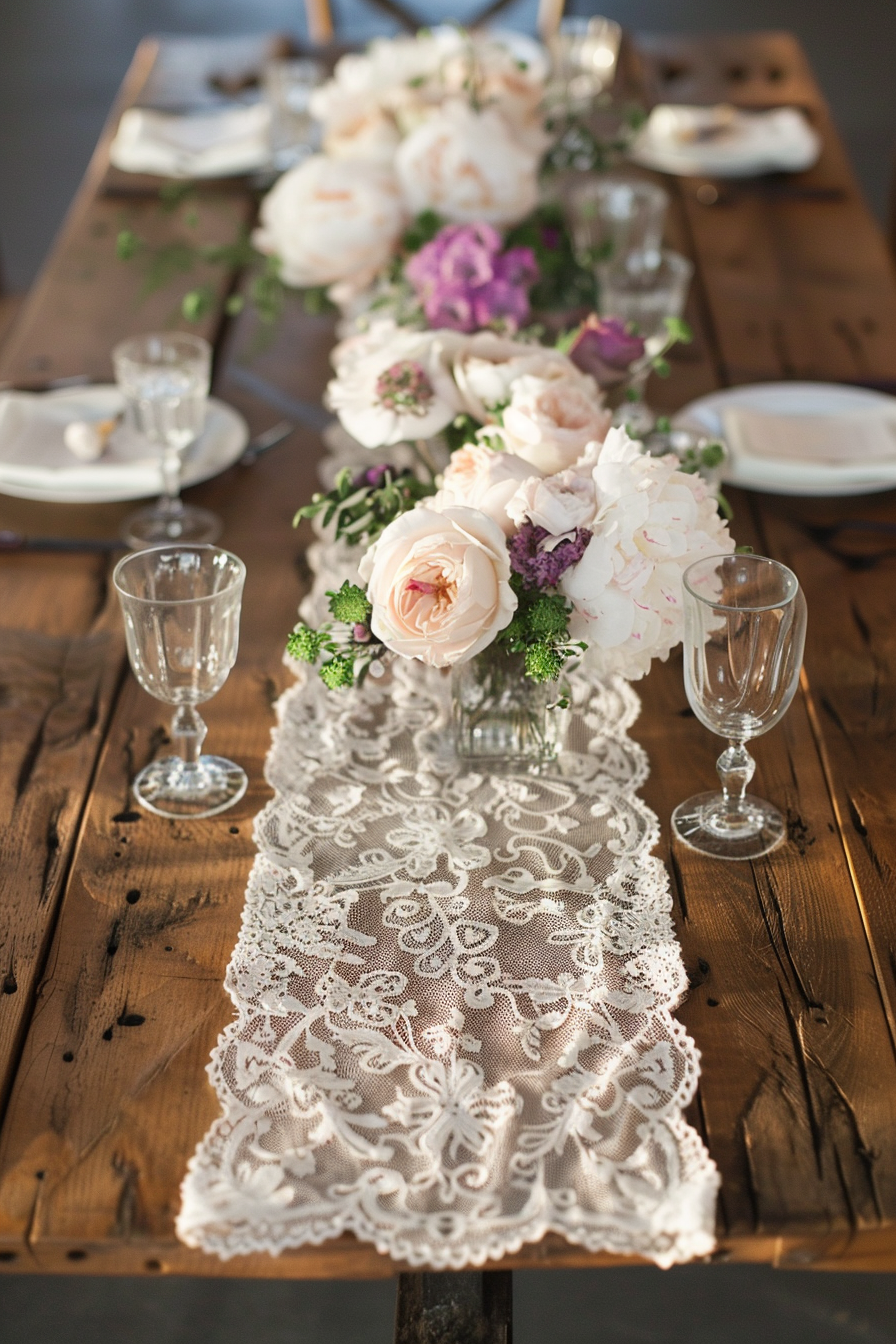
88,441
84,440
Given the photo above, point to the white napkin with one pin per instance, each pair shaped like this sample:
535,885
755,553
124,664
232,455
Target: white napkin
725,141
33,453
857,445
213,144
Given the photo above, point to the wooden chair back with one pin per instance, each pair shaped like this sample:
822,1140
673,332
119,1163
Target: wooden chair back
321,28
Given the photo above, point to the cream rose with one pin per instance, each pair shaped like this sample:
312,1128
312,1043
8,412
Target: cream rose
394,385
439,585
332,220
559,503
482,479
550,421
467,166
487,365
364,133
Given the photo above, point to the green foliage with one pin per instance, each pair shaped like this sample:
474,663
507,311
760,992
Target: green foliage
563,282
127,244
360,512
461,431
339,671
305,644
421,231
544,662
316,301
350,604
540,631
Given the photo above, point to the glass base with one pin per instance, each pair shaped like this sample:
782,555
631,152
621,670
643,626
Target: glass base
171,788
704,822
159,527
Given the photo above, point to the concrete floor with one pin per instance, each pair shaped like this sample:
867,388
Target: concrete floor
60,63
691,1305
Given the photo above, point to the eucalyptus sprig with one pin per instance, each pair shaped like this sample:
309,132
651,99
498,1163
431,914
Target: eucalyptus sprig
361,506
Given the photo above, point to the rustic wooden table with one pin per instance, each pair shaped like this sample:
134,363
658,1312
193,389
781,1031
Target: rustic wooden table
116,926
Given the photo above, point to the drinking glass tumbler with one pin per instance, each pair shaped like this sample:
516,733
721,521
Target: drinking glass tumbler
614,216
165,380
584,53
745,627
288,86
181,607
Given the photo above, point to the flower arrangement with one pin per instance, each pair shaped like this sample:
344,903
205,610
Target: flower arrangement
548,535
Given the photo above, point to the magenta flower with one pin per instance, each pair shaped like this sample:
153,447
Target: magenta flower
539,567
465,282
605,348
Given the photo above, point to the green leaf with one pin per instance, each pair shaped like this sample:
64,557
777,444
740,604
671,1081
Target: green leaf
679,330
543,662
712,454
197,303
127,244
234,305
661,368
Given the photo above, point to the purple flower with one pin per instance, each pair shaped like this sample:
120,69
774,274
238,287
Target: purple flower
465,282
539,567
375,477
605,348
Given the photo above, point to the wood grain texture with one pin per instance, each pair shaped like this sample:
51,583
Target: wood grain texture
791,959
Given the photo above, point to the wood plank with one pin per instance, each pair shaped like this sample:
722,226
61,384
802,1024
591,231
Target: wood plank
62,655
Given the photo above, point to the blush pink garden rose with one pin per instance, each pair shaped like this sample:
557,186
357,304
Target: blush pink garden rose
559,503
487,365
468,167
480,478
332,220
650,522
439,585
551,421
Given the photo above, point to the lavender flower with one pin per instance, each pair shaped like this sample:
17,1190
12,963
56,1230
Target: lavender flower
375,477
605,348
539,567
465,282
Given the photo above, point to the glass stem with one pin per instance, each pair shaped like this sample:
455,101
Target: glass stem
188,732
736,768
171,500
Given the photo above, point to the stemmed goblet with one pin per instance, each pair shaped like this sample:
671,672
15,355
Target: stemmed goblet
165,380
745,627
181,607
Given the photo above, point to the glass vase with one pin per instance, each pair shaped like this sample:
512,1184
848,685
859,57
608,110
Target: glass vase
503,716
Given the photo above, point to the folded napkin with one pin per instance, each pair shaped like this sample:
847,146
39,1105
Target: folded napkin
33,454
724,141
850,441
212,144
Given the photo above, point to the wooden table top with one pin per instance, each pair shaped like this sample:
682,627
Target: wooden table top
116,926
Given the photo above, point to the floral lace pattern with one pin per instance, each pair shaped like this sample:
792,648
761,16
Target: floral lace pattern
454,997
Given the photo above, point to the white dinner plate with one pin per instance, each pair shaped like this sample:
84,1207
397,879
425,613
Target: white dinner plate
782,477
128,470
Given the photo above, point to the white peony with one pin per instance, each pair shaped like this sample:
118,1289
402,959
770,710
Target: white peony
362,132
480,478
467,166
650,522
394,384
439,585
332,220
550,421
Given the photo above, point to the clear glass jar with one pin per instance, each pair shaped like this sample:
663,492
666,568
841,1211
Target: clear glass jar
501,715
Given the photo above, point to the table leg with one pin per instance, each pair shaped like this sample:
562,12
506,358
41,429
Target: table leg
466,1308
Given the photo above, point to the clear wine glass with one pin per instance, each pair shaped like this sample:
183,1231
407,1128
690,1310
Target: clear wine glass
181,607
745,627
165,381
613,216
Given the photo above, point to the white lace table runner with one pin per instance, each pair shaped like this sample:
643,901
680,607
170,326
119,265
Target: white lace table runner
454,999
